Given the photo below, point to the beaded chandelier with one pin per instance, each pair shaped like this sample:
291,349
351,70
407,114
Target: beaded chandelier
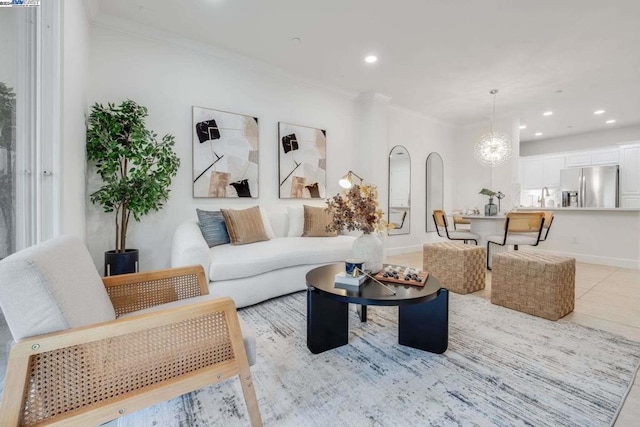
494,148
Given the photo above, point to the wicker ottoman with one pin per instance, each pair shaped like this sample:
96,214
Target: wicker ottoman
459,268
534,283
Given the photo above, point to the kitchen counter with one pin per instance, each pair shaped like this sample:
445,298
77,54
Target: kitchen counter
528,209
609,236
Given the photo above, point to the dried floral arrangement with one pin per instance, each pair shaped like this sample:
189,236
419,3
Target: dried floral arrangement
356,209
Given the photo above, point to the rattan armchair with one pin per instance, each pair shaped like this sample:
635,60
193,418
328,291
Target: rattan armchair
92,374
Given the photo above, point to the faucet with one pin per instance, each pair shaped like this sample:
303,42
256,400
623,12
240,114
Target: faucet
545,191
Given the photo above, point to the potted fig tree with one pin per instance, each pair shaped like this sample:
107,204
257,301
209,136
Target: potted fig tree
136,171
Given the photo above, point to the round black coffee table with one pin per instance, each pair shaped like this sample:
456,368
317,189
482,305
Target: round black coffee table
423,317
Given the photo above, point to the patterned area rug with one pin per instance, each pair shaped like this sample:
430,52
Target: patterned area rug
502,368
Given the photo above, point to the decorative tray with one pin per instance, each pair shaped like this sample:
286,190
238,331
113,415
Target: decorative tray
402,275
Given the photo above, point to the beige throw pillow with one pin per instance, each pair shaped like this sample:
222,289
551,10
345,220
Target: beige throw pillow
316,220
244,226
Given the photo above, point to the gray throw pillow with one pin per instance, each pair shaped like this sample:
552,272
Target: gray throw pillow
213,228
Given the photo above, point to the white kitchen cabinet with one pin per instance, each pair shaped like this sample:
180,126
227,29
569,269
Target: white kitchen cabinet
551,167
630,201
532,173
610,156
629,171
575,160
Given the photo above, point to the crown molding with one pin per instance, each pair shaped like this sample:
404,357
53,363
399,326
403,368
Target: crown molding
165,38
421,115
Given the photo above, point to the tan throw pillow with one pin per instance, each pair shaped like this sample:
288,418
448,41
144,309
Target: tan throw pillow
316,220
244,226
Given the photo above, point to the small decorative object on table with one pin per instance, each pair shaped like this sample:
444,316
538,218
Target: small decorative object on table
490,209
357,209
499,196
402,275
349,281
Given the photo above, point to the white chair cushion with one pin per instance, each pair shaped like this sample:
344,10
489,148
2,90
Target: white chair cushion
513,239
233,262
248,335
463,235
50,287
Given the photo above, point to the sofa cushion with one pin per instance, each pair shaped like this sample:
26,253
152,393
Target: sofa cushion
233,262
213,228
50,287
296,221
245,225
316,221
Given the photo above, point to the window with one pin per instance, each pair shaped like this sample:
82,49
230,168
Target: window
28,95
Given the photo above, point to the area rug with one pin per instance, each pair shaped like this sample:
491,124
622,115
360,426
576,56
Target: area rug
502,368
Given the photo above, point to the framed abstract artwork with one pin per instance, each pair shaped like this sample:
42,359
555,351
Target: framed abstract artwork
302,161
225,154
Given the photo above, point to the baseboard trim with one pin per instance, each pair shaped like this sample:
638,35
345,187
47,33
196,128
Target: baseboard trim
404,249
592,259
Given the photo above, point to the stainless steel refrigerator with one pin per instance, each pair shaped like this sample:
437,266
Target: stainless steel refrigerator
596,187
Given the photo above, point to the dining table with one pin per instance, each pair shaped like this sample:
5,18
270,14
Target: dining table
486,225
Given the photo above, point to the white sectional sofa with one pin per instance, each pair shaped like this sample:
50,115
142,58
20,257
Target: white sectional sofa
258,271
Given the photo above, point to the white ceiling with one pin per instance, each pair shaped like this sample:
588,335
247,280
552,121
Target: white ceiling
439,57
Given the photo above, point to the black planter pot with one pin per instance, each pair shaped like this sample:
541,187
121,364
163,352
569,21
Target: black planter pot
120,263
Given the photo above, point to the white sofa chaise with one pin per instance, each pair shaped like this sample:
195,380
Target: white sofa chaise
258,271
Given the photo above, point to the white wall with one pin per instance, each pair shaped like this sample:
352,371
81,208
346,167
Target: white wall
169,80
582,141
421,135
76,76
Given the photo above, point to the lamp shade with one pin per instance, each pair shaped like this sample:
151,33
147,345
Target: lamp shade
493,149
347,180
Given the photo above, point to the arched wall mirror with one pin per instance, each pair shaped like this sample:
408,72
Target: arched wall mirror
434,187
399,190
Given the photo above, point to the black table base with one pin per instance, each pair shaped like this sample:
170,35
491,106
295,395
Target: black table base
424,326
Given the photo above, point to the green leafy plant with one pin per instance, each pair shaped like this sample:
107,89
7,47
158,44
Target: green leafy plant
487,192
135,167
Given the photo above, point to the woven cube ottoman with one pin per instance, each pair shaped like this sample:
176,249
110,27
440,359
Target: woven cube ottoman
534,283
459,268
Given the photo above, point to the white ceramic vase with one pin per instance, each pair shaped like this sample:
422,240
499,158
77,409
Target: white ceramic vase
369,249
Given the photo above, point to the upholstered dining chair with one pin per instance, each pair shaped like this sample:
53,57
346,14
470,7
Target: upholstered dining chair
88,350
440,219
458,221
548,220
520,228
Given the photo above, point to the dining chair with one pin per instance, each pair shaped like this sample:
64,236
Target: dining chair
548,220
399,225
89,350
440,219
458,221
520,228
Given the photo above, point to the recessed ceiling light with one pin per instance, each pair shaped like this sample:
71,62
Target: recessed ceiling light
559,91
570,126
599,112
371,59
610,121
296,40
538,133
523,126
548,113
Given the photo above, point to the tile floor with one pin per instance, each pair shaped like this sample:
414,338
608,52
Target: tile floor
607,298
